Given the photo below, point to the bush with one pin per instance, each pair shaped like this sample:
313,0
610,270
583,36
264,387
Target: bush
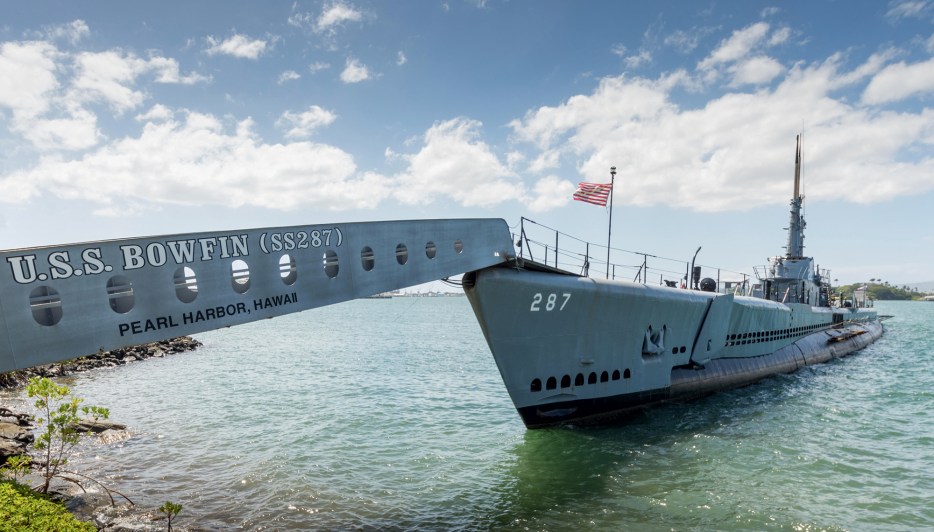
22,509
58,414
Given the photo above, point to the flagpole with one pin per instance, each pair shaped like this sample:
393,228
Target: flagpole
609,231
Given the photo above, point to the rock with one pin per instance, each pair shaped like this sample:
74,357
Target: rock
109,437
90,425
101,359
23,420
12,431
10,448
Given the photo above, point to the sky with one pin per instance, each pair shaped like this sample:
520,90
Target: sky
127,119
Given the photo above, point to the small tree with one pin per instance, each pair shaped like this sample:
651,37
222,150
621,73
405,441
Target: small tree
16,466
170,509
59,416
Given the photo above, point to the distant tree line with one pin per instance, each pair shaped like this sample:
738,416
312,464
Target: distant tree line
881,291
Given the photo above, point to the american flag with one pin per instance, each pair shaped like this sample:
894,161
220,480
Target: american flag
594,193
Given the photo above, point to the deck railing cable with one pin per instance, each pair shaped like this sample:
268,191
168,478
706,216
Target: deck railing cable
572,254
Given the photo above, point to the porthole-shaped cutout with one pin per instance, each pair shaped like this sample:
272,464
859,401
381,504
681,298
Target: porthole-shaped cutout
592,378
288,269
579,380
366,258
46,305
536,385
615,374
240,276
402,254
627,374
566,381
186,284
551,384
458,246
431,250
331,264
120,294
604,377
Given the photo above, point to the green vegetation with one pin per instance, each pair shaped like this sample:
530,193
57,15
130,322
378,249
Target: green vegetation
170,509
881,291
59,415
22,509
16,466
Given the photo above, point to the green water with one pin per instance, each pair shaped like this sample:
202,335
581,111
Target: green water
390,414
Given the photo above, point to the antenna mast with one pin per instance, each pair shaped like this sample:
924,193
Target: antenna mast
795,248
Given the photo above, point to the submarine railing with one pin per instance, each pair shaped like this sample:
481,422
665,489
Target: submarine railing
572,254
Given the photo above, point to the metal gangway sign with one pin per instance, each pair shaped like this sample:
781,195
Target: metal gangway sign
61,302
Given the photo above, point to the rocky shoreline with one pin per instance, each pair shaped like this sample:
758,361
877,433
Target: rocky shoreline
16,429
102,359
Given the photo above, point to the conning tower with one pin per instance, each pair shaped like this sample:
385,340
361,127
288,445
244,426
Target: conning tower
792,278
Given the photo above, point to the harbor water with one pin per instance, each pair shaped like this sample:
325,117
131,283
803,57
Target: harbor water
390,414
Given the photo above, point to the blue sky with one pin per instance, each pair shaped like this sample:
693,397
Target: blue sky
126,119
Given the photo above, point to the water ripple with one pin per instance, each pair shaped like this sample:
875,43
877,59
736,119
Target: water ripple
308,422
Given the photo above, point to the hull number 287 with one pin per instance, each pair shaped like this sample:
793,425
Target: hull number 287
549,302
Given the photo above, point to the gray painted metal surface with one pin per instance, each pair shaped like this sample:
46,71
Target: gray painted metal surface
60,302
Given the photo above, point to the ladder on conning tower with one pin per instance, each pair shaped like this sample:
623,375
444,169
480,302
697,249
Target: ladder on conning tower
61,302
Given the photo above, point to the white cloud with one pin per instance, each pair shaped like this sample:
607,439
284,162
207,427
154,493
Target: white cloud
29,86
769,12
742,56
614,102
354,72
455,163
318,66
288,75
683,41
780,36
734,153
899,81
550,192
908,9
74,130
167,71
27,77
639,59
157,113
71,32
401,59
335,14
301,20
730,152
237,46
755,71
108,77
197,162
740,43
111,77
513,159
548,159
302,125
